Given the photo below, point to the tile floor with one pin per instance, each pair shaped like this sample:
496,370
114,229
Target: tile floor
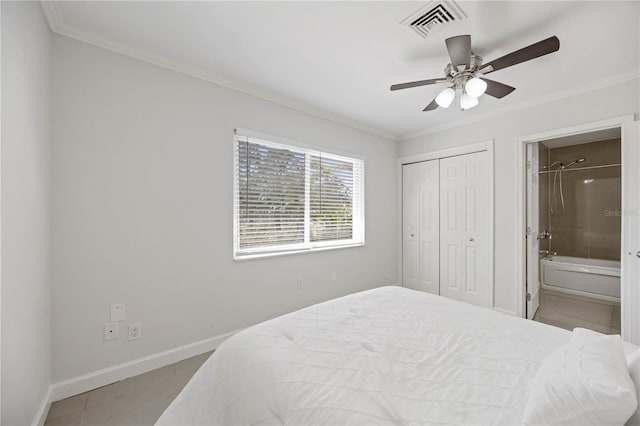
138,400
569,312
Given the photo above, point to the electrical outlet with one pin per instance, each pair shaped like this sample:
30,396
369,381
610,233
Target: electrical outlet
117,312
300,283
110,330
333,276
134,331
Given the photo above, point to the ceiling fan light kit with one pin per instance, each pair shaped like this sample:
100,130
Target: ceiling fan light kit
445,97
475,87
466,73
467,101
471,90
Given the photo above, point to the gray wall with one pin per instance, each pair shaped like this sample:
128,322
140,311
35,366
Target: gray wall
26,194
143,184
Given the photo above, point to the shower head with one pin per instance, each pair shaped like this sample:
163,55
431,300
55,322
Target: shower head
579,160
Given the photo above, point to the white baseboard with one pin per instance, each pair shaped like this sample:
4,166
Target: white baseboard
504,311
43,409
119,372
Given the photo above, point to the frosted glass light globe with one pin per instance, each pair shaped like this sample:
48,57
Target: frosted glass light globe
467,101
475,87
445,97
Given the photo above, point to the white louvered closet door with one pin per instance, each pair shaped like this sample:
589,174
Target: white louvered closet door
464,225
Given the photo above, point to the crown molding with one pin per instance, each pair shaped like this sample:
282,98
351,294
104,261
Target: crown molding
57,25
51,12
616,79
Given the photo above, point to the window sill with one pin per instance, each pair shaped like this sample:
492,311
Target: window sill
252,256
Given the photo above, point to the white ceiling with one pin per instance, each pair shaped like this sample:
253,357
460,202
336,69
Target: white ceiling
338,59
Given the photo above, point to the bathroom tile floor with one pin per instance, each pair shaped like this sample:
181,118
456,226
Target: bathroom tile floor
567,312
138,400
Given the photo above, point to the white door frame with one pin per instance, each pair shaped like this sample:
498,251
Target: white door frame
444,153
628,329
0,210
533,230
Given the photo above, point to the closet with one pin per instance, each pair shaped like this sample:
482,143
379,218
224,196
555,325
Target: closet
445,227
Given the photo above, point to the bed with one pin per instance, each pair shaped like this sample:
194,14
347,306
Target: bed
384,356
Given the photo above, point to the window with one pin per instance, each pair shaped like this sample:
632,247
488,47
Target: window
291,199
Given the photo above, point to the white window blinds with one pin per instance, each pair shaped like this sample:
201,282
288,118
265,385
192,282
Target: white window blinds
289,199
331,199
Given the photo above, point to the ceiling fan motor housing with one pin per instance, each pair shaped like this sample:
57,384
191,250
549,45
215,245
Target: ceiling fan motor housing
459,75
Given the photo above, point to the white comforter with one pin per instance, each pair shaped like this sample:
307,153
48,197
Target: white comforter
383,356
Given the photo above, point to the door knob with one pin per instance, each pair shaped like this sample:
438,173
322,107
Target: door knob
412,235
472,239
638,253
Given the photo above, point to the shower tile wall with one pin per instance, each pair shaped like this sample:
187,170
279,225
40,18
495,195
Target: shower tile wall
590,224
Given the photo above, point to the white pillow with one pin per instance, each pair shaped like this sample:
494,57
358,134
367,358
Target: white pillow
585,382
633,361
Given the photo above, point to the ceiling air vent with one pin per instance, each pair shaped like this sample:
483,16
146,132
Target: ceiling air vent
433,17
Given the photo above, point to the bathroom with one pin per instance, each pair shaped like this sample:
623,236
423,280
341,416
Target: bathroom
579,238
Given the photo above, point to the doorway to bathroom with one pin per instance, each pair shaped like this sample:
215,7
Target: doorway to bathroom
574,211
579,255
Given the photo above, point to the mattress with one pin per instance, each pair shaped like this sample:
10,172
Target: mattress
384,356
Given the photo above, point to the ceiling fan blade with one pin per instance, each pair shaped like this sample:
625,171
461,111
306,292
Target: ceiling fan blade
497,89
433,105
541,48
459,49
417,83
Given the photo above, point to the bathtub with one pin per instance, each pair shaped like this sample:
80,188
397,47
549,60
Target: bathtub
595,278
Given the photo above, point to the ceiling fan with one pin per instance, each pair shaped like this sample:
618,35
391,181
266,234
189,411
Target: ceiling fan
466,72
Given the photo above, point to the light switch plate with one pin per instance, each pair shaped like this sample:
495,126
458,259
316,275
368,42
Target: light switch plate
117,312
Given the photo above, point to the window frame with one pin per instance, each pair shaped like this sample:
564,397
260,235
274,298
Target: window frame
358,200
